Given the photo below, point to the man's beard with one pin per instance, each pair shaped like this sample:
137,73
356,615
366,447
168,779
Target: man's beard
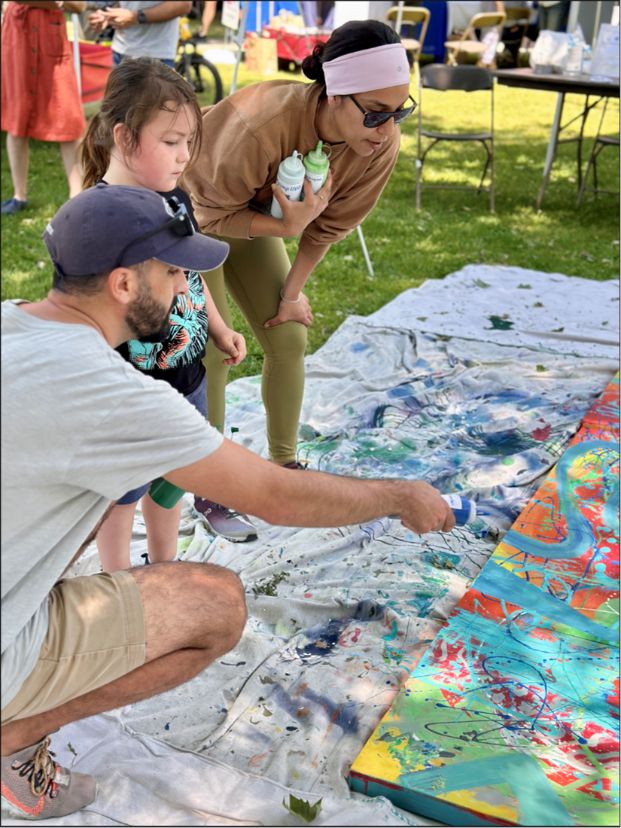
147,318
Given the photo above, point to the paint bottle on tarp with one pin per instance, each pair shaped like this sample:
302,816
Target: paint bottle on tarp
291,179
164,493
317,165
465,510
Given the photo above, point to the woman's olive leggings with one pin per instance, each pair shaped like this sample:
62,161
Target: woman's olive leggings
254,274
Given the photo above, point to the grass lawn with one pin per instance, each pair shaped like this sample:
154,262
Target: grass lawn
407,246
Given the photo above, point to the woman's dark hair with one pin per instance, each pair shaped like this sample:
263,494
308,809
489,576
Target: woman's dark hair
353,36
136,90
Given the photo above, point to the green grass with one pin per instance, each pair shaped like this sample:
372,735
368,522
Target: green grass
453,228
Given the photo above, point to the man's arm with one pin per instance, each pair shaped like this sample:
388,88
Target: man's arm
286,497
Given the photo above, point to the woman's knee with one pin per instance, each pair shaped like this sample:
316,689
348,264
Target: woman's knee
286,342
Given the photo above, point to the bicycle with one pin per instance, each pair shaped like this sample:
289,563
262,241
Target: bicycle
197,70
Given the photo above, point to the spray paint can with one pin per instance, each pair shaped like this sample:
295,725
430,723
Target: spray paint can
465,510
291,179
164,493
316,165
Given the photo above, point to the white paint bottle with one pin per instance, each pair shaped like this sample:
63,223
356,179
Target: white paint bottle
291,179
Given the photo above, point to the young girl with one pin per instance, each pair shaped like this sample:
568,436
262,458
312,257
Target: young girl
144,136
361,92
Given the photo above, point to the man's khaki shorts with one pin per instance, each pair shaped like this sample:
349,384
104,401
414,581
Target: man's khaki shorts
95,635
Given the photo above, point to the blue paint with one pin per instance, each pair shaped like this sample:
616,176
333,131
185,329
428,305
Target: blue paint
538,804
579,531
343,715
498,582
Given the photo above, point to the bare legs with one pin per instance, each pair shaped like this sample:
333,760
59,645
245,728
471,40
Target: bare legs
204,618
114,535
209,12
162,529
18,151
73,168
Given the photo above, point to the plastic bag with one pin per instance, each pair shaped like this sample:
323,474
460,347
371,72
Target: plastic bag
550,52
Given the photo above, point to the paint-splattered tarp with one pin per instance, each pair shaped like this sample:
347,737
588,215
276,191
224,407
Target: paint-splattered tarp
339,618
512,715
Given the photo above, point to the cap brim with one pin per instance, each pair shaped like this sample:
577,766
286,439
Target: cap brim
195,252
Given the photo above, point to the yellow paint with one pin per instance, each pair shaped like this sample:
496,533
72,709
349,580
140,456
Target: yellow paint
375,760
469,799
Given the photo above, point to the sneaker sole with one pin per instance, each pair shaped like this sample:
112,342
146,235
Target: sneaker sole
245,539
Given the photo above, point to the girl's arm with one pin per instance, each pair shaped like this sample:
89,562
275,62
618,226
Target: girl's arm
224,338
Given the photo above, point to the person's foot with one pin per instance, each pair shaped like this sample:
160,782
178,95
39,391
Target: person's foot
228,523
201,38
12,205
295,464
34,786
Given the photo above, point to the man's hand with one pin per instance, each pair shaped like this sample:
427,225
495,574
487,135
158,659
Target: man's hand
292,312
97,20
297,215
231,343
120,18
425,510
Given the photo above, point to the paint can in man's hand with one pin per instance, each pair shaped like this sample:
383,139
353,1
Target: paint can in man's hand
465,510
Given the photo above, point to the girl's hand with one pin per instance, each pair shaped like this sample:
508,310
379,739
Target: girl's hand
292,312
232,343
297,215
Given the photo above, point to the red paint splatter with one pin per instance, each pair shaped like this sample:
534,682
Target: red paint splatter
542,433
452,698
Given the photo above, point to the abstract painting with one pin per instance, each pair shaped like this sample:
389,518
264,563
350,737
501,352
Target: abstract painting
512,715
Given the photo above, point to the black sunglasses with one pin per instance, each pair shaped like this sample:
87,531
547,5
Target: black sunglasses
180,224
375,119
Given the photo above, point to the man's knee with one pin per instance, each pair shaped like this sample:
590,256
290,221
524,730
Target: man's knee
232,600
218,602
191,605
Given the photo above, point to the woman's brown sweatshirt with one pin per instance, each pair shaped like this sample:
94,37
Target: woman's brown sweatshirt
246,136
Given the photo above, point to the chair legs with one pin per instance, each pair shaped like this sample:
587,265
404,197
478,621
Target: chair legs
599,143
598,146
489,165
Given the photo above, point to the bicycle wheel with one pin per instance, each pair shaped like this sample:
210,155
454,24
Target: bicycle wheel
205,79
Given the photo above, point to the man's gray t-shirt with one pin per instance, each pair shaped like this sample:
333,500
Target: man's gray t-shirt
156,40
80,427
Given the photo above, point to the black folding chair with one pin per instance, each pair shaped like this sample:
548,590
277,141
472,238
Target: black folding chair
443,78
600,143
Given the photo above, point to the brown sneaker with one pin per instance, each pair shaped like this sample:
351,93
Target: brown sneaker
36,787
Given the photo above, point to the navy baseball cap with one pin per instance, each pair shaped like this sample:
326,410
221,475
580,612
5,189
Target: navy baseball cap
110,226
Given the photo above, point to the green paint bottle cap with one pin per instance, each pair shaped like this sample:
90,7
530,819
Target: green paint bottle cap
316,161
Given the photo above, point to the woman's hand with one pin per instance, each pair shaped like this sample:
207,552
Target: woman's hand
231,343
297,215
299,311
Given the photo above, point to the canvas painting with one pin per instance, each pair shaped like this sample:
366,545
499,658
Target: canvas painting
512,715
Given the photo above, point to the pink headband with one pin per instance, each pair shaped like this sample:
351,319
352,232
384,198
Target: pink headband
368,69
